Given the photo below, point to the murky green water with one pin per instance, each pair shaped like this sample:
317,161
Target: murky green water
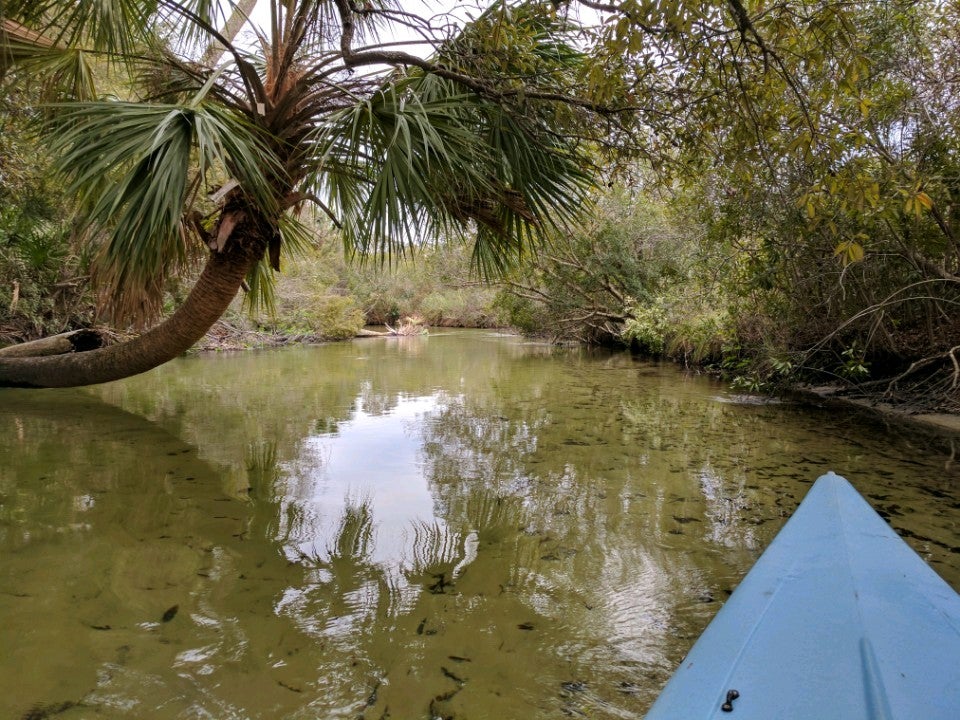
458,526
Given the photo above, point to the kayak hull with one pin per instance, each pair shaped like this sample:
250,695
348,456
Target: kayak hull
839,618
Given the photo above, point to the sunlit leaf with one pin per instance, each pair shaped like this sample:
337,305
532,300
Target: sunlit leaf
849,252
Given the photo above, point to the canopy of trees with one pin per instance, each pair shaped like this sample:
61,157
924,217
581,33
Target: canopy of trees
807,162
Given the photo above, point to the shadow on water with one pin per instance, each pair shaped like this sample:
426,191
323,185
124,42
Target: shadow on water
459,526
107,523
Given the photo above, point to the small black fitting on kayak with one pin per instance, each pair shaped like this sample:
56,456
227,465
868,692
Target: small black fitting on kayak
731,696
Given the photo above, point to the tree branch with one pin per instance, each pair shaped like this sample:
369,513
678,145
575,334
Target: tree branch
353,58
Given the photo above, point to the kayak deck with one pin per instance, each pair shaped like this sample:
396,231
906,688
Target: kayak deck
838,619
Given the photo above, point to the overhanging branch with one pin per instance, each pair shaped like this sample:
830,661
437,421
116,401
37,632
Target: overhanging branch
353,58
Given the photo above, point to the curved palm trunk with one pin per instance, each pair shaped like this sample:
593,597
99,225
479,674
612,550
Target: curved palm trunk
209,299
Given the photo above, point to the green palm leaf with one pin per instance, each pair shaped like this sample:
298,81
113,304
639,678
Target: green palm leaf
422,158
296,240
114,26
380,162
131,165
119,27
67,71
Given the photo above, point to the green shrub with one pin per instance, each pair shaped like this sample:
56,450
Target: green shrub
648,327
44,287
520,313
437,284
336,317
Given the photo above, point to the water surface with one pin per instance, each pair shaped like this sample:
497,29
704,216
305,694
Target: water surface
461,525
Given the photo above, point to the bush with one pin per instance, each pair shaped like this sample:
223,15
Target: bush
44,285
648,327
334,317
619,273
437,284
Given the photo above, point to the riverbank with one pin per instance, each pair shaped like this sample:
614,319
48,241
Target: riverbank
942,421
228,336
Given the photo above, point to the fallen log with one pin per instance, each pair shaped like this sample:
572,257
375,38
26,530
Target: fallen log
68,342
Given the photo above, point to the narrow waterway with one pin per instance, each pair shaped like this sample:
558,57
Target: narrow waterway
462,525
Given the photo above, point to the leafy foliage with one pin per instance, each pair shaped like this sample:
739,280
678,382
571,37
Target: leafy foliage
432,160
43,271
133,164
607,276
820,147
814,149
437,286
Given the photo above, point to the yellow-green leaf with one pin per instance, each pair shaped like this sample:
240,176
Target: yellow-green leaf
849,252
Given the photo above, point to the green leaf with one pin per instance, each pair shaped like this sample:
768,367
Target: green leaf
849,252
131,164
423,159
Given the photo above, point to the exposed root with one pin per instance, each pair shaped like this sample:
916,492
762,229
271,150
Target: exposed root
929,385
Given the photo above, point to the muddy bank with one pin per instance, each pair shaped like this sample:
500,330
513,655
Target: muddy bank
826,394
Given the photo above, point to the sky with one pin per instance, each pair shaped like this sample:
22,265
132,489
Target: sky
443,11
458,11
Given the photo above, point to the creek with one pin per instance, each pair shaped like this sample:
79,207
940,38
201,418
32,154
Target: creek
463,525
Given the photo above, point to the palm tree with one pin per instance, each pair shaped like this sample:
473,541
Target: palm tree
214,153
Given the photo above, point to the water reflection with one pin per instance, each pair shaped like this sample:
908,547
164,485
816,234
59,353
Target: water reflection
460,526
372,456
99,539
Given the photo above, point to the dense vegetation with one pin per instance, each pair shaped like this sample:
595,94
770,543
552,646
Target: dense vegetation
805,224
324,296
779,199
198,158
44,285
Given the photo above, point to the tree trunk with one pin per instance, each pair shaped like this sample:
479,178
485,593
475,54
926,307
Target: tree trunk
214,51
68,342
209,299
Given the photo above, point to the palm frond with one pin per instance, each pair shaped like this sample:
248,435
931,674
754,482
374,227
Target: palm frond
116,27
192,23
542,46
298,238
63,72
295,239
130,164
381,161
261,296
422,158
